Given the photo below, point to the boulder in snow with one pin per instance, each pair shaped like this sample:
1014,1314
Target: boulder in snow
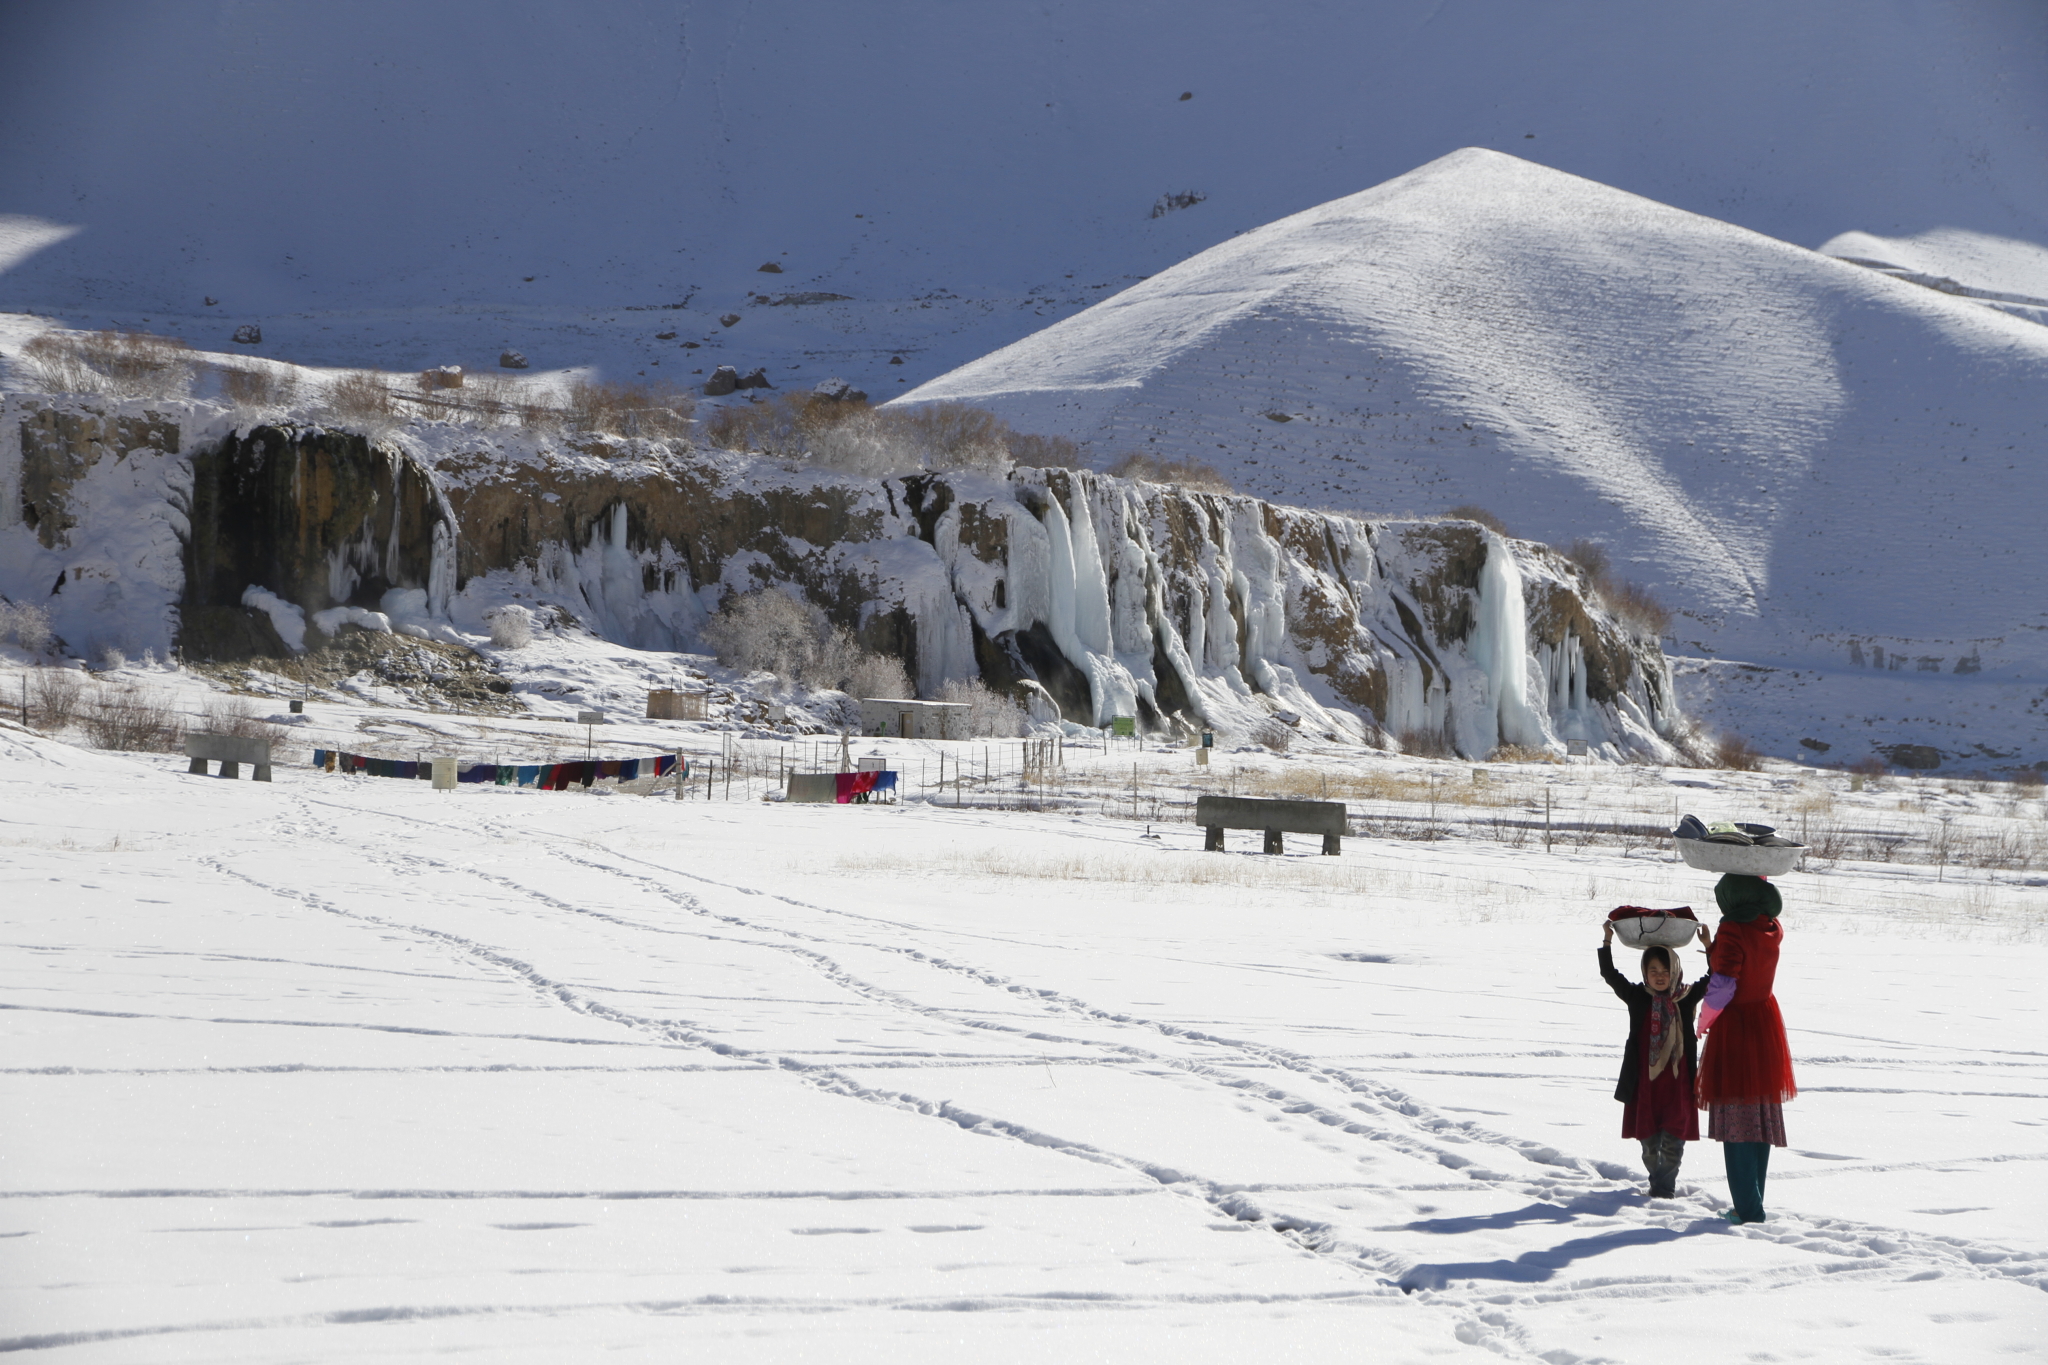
511,360
838,391
249,334
723,381
756,378
729,319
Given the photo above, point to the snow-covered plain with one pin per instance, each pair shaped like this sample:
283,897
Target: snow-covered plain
341,1068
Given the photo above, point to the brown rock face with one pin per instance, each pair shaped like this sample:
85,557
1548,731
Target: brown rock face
1116,597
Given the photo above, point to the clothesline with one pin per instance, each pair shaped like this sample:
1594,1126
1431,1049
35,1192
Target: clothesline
545,776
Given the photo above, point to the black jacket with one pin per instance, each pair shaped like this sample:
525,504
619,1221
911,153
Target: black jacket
1637,997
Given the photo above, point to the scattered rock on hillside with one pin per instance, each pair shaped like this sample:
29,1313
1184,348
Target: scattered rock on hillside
1920,757
431,674
664,336
755,379
723,381
771,269
249,334
511,360
729,319
211,301
839,391
895,360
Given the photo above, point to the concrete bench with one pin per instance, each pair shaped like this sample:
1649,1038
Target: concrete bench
230,751
1276,818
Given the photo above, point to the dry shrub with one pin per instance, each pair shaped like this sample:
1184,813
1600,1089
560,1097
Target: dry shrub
1734,752
361,399
1190,474
770,631
259,386
1469,512
990,714
240,717
1592,560
133,720
858,438
1425,744
27,623
56,697
1520,753
629,409
511,627
1045,452
116,364
1635,605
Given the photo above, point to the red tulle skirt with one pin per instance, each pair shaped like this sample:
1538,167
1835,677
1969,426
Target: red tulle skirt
1746,1059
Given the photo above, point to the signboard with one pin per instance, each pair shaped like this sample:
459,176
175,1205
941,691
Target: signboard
1576,748
1208,739
1123,727
590,717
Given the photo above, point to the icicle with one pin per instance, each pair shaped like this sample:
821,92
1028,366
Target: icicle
1500,645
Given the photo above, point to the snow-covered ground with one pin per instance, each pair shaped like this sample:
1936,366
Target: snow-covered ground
339,1068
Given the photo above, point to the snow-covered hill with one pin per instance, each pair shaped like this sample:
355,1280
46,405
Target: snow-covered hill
396,184
1819,465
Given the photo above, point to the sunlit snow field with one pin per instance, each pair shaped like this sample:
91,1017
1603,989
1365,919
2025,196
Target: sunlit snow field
341,1068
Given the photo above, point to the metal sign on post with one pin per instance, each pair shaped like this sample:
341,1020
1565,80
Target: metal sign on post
1123,727
586,719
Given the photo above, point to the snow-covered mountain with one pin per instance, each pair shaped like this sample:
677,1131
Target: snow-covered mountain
1821,465
401,185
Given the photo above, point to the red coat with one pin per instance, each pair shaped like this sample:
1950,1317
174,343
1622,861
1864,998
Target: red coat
1746,1060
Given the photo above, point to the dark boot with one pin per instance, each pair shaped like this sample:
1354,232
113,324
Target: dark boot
1662,1155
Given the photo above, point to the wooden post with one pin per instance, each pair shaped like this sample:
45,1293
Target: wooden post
679,774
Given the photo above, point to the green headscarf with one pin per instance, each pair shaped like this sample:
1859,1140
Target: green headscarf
1744,898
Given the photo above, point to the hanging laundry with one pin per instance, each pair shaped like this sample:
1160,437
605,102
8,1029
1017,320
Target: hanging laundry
529,774
506,772
478,772
586,772
319,758
607,767
665,764
408,769
885,782
629,769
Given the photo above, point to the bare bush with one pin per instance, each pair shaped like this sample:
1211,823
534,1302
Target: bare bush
27,623
1736,753
1520,753
990,714
1045,452
111,659
1592,560
766,631
770,631
133,720
1469,512
360,399
240,717
259,386
56,696
1272,733
877,675
857,438
1191,474
511,627
629,409
1425,744
116,364
1635,605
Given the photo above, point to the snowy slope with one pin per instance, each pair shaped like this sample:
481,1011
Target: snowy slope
1813,462
391,183
343,1069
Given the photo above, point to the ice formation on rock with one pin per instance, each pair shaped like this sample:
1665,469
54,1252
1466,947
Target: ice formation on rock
1108,597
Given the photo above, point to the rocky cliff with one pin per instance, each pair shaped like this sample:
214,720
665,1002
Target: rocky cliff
1115,597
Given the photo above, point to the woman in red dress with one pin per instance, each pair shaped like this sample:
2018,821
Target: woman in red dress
1656,1085
1746,1071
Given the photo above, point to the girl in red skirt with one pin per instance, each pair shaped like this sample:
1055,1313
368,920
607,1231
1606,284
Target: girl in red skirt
1746,1074
1656,1085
